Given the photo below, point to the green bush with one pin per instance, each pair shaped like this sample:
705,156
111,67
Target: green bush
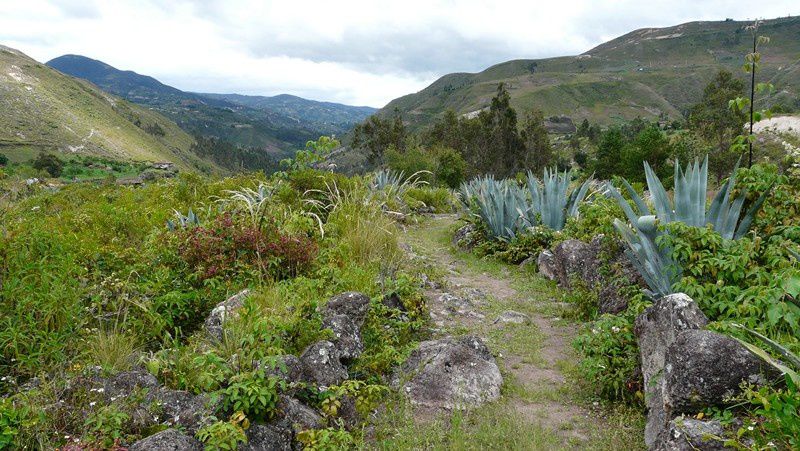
439,199
412,161
254,394
451,169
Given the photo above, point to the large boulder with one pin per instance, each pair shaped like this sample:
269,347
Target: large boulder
451,373
656,329
285,367
703,368
299,416
268,437
689,434
167,440
129,382
321,364
351,304
347,336
223,311
575,260
181,408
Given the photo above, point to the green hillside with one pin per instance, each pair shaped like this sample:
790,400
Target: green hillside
42,109
646,73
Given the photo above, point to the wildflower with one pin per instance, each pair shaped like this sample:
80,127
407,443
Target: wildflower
615,329
595,331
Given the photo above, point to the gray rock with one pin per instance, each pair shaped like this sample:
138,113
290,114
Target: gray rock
351,303
463,238
450,374
510,316
546,264
689,434
703,368
181,408
268,437
128,382
286,367
321,364
348,336
223,311
656,329
300,416
575,259
167,440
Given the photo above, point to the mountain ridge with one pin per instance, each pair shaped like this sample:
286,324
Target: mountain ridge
648,72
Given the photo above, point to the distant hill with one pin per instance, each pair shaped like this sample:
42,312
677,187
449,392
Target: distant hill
647,73
43,109
276,124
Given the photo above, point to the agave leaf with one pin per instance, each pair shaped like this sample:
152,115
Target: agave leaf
793,375
660,198
747,220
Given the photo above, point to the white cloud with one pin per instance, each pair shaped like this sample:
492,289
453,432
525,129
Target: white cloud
357,52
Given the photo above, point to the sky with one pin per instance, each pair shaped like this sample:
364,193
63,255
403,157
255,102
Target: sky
353,52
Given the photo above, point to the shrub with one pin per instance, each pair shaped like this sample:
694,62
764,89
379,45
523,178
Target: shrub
254,394
3,160
438,199
451,168
224,435
50,163
412,161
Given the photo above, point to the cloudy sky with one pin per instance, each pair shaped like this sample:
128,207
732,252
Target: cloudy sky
355,52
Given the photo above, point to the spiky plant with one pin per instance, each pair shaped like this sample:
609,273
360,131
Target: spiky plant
254,201
688,205
501,207
190,220
788,358
551,198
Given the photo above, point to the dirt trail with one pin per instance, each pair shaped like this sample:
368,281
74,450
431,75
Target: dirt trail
532,355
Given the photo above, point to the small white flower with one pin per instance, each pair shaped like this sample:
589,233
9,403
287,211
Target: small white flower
595,331
615,329
750,428
91,404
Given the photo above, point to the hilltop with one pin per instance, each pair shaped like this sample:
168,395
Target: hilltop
276,124
648,73
43,109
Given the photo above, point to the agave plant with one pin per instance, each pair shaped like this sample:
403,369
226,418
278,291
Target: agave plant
397,181
254,201
551,199
190,220
688,206
501,206
787,356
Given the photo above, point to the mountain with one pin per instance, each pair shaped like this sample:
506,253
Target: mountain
277,124
43,109
649,72
333,118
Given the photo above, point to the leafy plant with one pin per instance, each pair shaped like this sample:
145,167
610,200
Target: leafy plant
328,439
224,435
254,394
106,426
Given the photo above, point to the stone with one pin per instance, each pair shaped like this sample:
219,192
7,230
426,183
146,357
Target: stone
575,259
299,416
126,383
223,311
181,408
167,440
286,367
546,263
464,237
348,336
450,374
689,434
513,317
704,368
321,364
656,329
268,437
393,301
351,303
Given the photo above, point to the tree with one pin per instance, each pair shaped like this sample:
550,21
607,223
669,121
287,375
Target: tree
715,121
3,160
609,154
649,145
583,129
377,134
538,152
450,167
505,150
50,163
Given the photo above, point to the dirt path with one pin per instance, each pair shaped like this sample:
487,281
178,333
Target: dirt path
535,355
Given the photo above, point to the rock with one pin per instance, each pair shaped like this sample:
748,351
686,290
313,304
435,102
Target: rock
300,416
689,434
546,263
450,374
656,329
181,408
167,440
464,237
510,316
286,367
348,412
427,282
222,311
348,337
474,296
393,301
127,382
268,437
351,303
575,259
321,364
703,368
610,300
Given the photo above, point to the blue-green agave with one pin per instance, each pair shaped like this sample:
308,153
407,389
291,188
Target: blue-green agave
551,198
